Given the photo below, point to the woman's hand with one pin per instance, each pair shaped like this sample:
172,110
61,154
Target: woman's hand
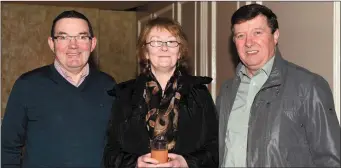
146,161
175,161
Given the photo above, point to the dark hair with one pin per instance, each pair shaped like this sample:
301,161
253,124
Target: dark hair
71,14
251,11
167,24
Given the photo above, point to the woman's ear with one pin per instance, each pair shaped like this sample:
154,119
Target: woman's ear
146,55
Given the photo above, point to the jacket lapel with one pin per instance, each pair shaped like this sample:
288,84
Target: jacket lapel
226,105
276,75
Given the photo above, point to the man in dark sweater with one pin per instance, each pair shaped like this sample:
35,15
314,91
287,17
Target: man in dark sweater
57,115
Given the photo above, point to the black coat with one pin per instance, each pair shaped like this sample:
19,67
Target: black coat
197,139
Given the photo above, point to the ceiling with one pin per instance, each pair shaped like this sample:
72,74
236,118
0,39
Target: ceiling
105,5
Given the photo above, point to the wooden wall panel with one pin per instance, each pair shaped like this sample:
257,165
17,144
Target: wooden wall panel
226,52
168,12
188,25
198,38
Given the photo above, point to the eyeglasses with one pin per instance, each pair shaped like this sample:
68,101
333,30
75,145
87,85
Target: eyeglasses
171,44
79,39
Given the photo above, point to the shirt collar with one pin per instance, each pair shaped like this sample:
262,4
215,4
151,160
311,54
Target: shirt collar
266,68
65,74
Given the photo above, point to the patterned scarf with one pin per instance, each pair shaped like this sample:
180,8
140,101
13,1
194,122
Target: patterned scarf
163,110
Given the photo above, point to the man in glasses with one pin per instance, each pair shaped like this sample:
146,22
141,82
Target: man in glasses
57,115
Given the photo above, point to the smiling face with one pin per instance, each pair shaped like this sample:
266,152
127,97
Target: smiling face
162,58
72,54
254,42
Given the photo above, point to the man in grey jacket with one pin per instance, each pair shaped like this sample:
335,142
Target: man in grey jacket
273,113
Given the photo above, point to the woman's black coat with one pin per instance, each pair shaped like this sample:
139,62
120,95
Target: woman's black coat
197,139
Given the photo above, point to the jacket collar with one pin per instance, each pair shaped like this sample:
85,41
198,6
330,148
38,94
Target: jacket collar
187,80
138,88
278,71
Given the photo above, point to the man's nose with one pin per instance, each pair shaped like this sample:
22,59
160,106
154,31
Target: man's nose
249,41
73,43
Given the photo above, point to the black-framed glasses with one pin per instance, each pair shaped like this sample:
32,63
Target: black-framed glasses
170,44
79,39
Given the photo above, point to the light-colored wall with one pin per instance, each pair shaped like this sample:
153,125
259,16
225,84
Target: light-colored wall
24,33
306,34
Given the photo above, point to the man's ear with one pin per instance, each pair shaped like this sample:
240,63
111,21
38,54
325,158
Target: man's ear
93,43
51,43
276,36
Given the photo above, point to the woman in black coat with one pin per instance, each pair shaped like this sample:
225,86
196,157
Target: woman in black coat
163,101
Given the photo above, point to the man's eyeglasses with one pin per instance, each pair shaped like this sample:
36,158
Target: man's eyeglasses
171,44
66,39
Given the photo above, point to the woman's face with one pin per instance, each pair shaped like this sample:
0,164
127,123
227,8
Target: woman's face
162,50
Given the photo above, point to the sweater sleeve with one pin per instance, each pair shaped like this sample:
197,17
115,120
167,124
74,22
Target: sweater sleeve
13,128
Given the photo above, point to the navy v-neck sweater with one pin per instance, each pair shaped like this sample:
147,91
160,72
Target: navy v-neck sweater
60,125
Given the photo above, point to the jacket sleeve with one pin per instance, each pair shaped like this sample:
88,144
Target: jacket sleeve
322,126
218,103
208,155
13,128
114,156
